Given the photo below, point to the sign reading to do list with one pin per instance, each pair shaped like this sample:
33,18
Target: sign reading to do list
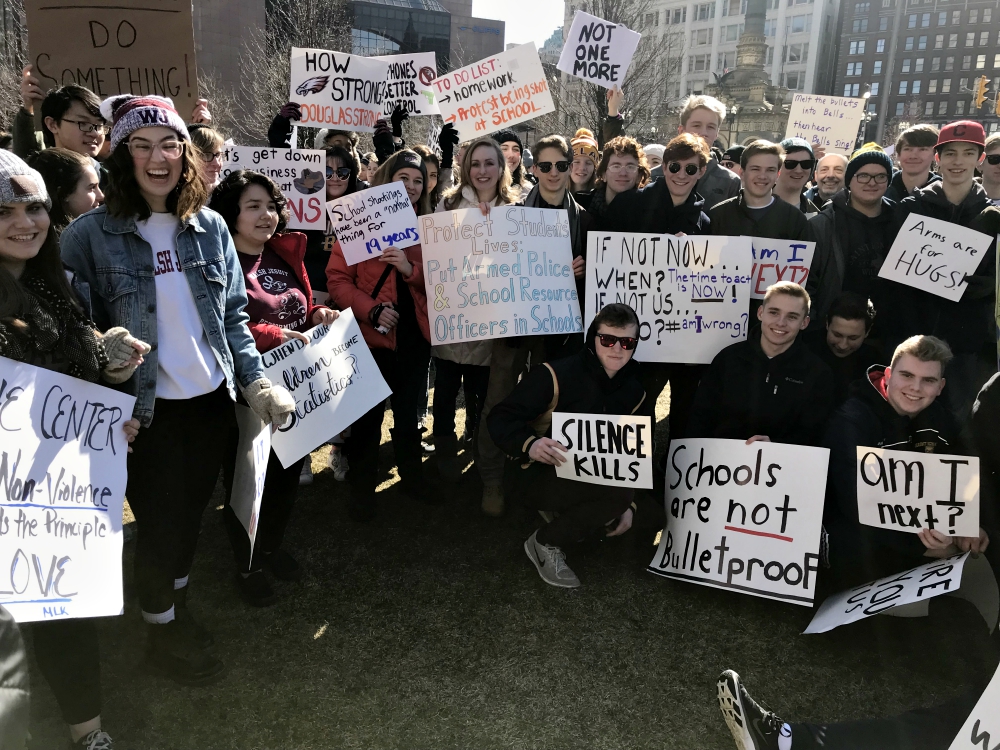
300,174
744,517
598,51
62,487
779,260
603,449
337,90
368,222
828,121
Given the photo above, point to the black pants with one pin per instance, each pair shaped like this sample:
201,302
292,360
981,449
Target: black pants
69,656
683,381
172,472
474,379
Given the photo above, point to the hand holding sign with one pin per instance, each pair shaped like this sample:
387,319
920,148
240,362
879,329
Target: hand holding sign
605,449
598,51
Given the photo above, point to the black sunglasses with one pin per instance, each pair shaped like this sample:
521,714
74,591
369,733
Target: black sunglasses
628,342
728,164
689,169
546,166
806,164
993,159
342,172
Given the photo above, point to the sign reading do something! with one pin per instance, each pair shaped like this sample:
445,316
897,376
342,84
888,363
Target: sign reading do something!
598,51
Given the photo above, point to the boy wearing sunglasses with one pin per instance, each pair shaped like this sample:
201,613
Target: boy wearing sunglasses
991,169
795,173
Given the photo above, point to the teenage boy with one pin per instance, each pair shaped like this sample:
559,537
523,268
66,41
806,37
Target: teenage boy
829,179
71,119
915,154
731,159
991,169
796,170
842,345
771,386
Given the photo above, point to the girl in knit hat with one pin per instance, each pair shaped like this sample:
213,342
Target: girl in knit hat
512,149
586,156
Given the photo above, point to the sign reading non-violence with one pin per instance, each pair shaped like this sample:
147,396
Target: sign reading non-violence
506,274
494,93
337,90
909,491
369,221
744,517
252,453
935,256
598,51
334,381
692,294
605,449
409,83
299,173
982,728
779,260
111,47
828,121
62,486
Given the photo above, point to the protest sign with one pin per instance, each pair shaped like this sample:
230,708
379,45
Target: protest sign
494,93
744,517
935,256
779,260
692,294
506,274
828,121
369,221
910,491
300,174
252,453
62,488
606,449
409,83
334,381
598,51
337,90
113,48
982,728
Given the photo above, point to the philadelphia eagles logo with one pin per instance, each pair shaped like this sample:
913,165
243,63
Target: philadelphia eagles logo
312,85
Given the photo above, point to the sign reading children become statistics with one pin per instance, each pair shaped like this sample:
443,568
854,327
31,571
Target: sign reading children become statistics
370,221
62,486
300,174
614,450
337,90
497,276
598,51
409,83
779,260
744,517
692,294
828,121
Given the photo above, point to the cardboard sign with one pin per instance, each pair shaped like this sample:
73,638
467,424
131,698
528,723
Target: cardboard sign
745,518
113,48
598,51
495,93
910,491
492,277
935,256
828,121
62,487
982,728
369,221
337,90
299,173
692,294
334,381
409,83
779,260
252,453
606,449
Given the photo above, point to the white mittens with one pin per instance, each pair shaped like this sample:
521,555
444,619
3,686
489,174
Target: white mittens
120,347
271,403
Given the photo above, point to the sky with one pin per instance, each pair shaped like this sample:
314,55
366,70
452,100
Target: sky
527,20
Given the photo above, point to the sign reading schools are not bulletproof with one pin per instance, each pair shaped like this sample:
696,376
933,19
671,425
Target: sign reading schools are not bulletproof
692,294
605,449
409,83
828,121
337,90
506,274
62,487
598,51
779,260
300,174
370,221
744,517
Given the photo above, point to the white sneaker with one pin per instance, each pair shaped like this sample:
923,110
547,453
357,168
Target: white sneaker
306,475
551,564
338,465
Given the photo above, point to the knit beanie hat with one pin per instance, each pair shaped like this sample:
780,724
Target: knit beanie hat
654,149
19,183
867,156
128,113
797,144
506,136
584,144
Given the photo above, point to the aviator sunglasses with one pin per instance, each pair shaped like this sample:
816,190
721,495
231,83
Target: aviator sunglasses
608,341
689,169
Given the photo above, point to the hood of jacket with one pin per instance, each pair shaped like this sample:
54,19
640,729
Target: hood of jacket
971,206
594,366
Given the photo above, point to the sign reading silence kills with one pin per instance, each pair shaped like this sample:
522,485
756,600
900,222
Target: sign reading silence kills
605,449
598,51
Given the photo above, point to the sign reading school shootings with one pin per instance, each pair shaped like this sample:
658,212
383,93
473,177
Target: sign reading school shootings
744,517
598,51
506,274
368,222
62,487
692,294
779,260
337,90
828,121
603,449
300,174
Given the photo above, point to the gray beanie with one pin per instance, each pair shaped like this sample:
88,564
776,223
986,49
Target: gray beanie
19,183
797,144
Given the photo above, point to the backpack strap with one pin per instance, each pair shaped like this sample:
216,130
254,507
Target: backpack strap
543,421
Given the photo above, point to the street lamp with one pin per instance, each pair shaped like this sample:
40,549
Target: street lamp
866,116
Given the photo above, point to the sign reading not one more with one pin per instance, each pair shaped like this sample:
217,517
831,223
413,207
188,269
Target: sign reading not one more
598,51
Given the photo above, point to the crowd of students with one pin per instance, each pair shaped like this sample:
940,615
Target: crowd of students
124,258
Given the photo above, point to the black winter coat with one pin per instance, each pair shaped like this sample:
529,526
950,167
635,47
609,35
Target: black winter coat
652,210
897,190
782,222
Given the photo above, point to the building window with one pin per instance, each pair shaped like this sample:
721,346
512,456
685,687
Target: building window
857,48
903,86
730,33
854,69
929,108
861,8
800,53
852,89
703,12
946,86
680,15
875,88
699,63
939,41
701,37
796,81
804,23
966,62
726,60
906,66
899,108
877,67
883,23
918,66
916,87
860,26
914,108
960,107
653,19
880,45
952,40
987,15
962,83
996,61
970,39
922,43
935,65
984,38
973,16
770,55
980,62
925,20
942,18
949,63
932,86
942,108
956,17
911,21
909,44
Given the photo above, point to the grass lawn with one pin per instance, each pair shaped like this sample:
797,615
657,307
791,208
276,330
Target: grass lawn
429,628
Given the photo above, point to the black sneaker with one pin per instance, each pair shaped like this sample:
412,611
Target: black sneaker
256,590
753,727
191,627
283,566
96,740
171,653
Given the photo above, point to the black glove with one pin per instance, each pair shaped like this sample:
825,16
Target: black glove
382,140
447,141
399,116
280,133
291,111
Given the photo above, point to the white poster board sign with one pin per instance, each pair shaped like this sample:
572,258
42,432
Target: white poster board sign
935,256
334,381
252,453
910,491
779,260
828,121
337,90
982,728
598,51
62,487
409,83
744,518
616,450
369,221
300,174
506,274
495,93
692,294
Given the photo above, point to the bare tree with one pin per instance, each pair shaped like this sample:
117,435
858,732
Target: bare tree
13,53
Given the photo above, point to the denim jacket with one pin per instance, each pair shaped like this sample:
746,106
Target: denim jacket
108,255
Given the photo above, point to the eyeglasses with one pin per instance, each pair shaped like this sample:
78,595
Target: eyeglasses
342,172
729,164
144,149
806,164
209,158
608,341
689,169
627,168
993,159
87,127
546,166
864,178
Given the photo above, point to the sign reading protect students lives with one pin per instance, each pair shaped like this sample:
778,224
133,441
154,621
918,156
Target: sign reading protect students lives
909,491
692,294
497,276
62,487
336,90
334,381
982,728
828,121
495,93
605,449
300,174
409,83
935,256
779,260
369,221
744,517
598,51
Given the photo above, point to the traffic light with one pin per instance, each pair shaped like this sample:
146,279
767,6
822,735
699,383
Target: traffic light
979,93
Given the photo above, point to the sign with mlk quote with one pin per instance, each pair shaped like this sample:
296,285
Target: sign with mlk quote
62,487
744,517
337,90
598,51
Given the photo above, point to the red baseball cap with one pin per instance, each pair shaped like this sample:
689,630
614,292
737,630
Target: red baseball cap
964,131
